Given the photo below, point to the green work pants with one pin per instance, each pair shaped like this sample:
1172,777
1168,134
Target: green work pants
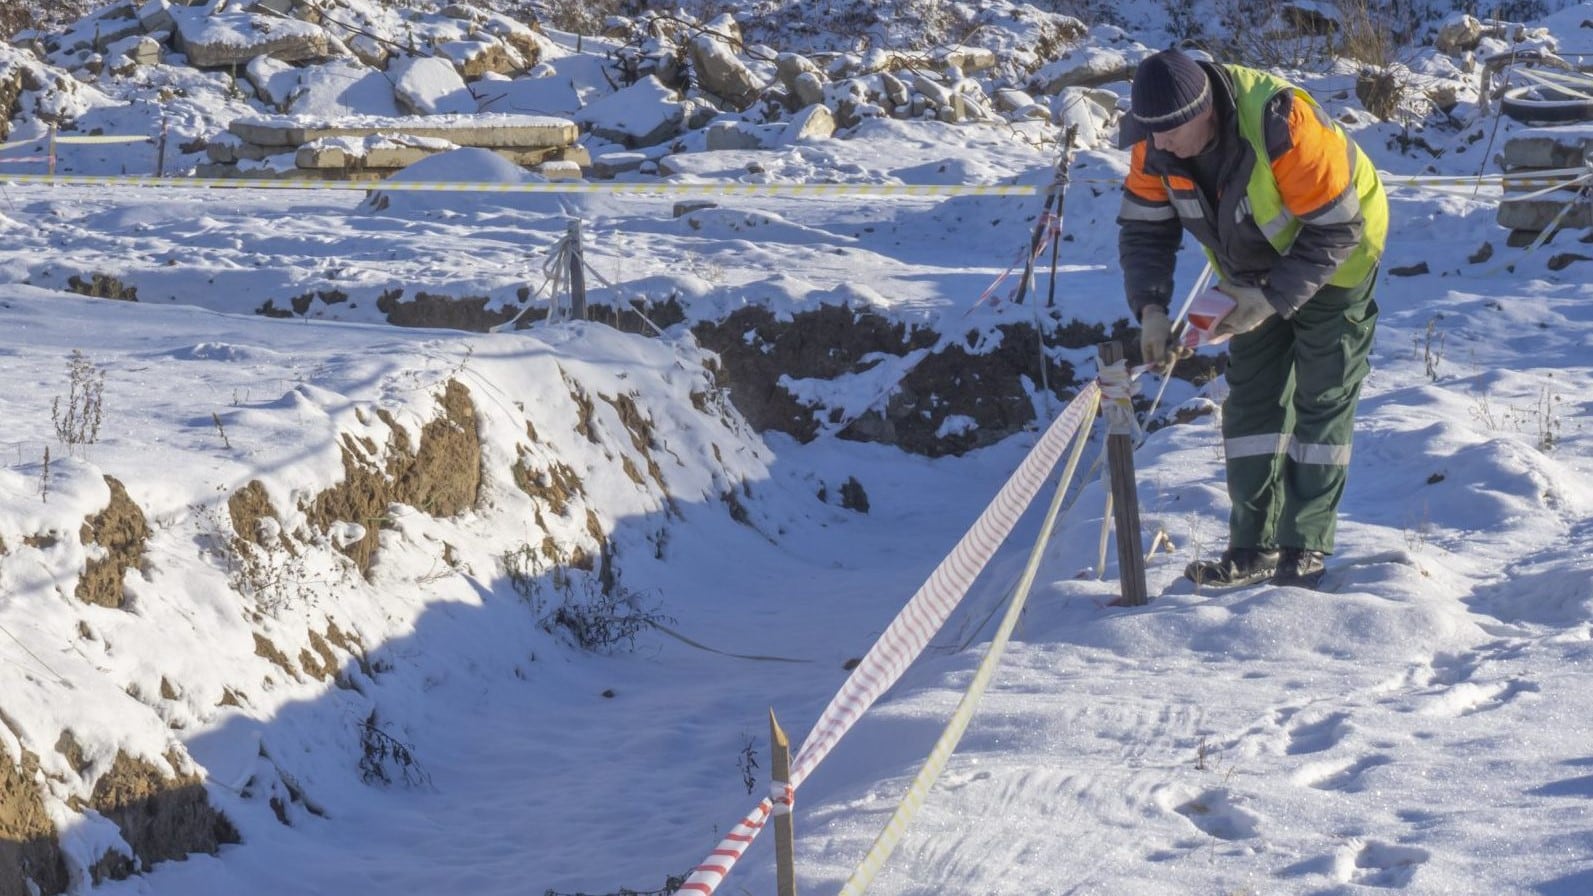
1290,417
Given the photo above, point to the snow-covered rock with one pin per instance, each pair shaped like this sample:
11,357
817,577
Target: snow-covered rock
232,39
644,114
430,86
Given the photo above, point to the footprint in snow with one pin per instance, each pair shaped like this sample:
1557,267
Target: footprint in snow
1342,777
1383,865
1215,814
1322,734
1469,698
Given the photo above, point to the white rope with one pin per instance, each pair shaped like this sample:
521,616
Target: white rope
1117,398
1563,82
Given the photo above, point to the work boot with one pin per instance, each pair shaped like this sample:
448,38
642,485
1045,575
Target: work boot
1300,567
1236,566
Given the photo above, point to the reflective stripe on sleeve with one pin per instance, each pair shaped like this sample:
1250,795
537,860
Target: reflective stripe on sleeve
1135,209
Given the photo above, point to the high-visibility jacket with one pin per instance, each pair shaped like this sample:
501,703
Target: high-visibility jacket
1312,214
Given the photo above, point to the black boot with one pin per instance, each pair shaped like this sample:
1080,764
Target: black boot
1236,566
1299,567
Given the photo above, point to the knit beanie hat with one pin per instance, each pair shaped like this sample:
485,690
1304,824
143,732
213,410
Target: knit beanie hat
1169,89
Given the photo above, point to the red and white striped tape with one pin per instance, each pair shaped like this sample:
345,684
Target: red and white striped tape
909,633
1050,230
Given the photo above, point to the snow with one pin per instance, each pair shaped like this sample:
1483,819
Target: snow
1422,724
431,86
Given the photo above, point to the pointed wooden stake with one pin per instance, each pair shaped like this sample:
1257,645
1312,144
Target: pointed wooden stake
1125,504
577,273
784,833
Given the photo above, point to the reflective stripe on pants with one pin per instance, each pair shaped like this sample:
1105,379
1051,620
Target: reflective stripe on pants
1289,418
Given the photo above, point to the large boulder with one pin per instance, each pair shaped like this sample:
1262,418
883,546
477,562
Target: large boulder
644,114
1458,34
1090,66
430,86
722,73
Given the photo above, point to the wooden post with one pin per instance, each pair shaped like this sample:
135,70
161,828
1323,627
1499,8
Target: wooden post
784,833
1125,496
577,273
160,149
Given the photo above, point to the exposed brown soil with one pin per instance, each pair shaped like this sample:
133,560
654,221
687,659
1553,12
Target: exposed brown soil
120,529
440,476
161,814
29,854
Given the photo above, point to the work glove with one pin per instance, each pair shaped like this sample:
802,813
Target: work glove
1154,332
1251,310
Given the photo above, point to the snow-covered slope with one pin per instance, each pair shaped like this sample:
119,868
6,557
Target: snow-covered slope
322,605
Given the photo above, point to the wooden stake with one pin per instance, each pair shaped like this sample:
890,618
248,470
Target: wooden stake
784,833
160,149
577,273
1125,501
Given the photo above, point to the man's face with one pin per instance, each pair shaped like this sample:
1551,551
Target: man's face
1188,139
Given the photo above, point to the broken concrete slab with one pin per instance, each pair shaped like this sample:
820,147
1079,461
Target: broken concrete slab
488,131
232,39
1539,214
1563,146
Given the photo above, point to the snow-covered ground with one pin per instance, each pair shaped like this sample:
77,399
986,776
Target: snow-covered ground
1421,724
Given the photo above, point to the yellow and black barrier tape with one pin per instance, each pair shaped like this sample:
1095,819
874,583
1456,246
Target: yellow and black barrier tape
727,187
1534,179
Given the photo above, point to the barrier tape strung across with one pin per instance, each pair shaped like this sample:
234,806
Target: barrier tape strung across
909,633
77,138
885,844
1391,181
241,183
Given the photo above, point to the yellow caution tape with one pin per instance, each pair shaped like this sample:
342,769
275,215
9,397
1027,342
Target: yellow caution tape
740,189
1526,180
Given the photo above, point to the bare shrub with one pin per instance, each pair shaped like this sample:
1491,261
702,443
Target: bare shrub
1372,32
580,16
524,567
747,762
386,760
603,621
1264,35
78,423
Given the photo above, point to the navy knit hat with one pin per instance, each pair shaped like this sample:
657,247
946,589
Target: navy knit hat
1169,89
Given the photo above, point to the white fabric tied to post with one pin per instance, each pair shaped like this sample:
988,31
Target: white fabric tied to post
783,796
1117,398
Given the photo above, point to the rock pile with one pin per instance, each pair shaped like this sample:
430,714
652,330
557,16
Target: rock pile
707,78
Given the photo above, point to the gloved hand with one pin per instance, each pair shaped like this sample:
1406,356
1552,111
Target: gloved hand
1154,332
1251,309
